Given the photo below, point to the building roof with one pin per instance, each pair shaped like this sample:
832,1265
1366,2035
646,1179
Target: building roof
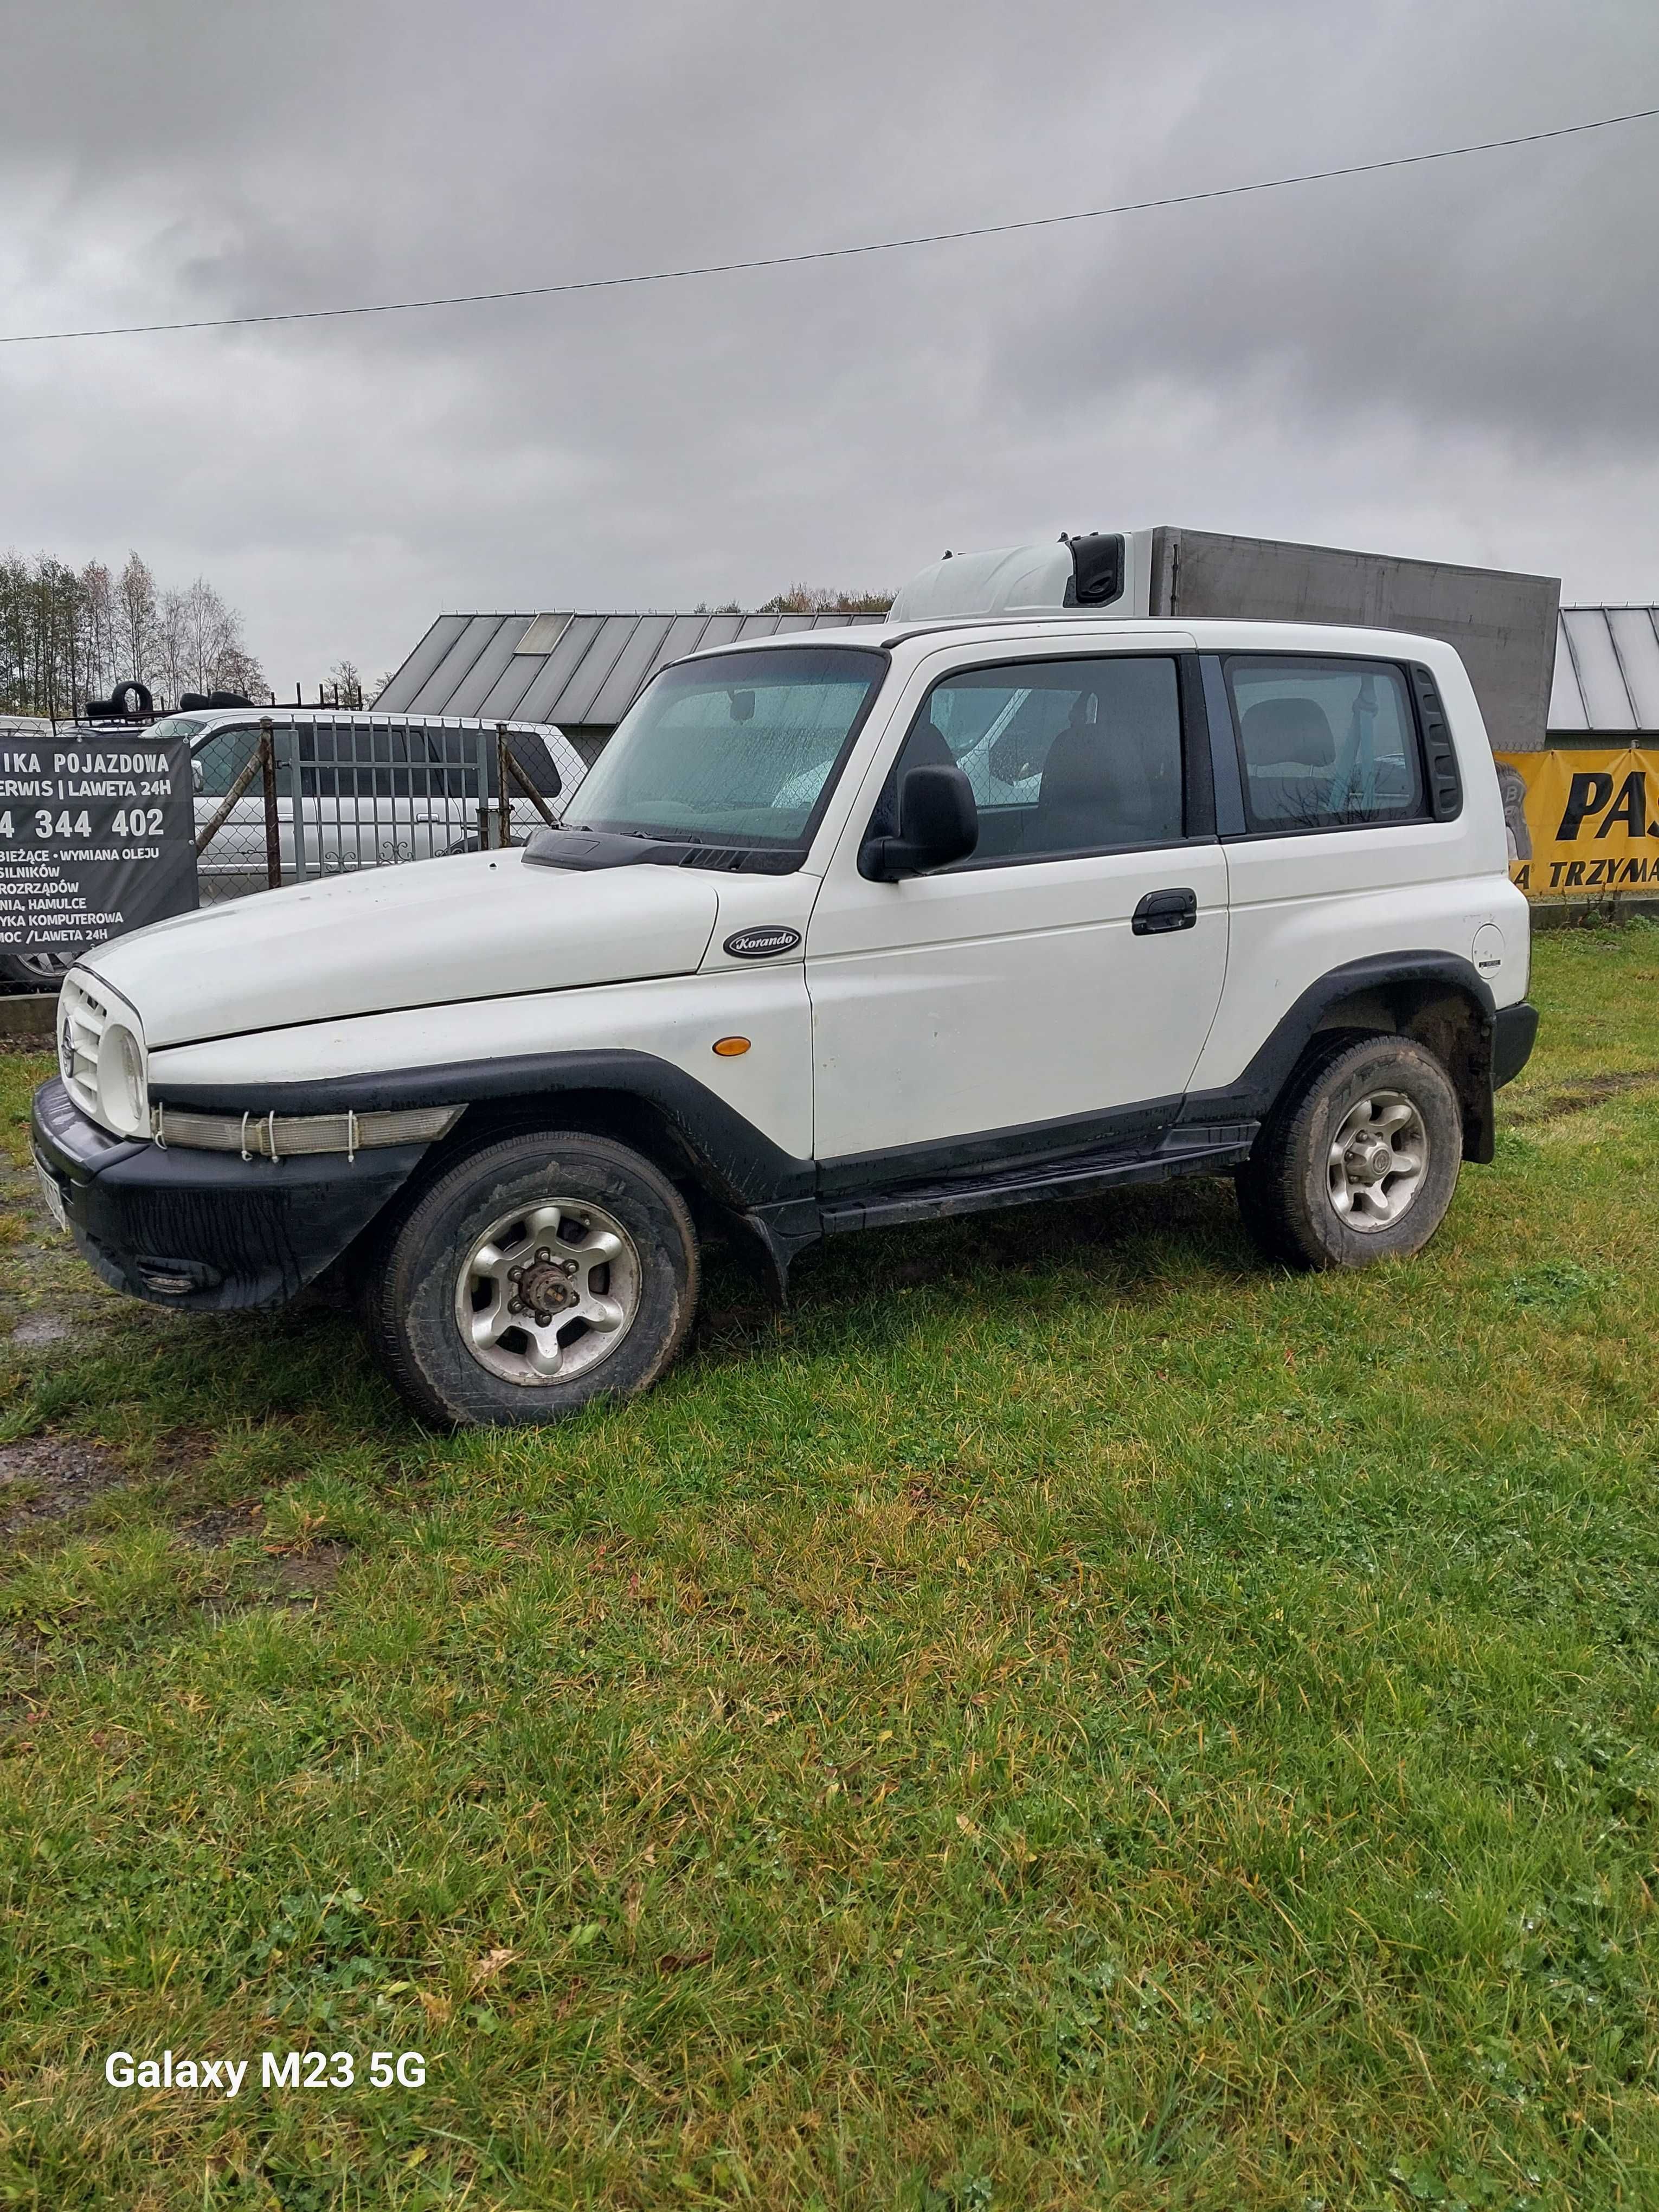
571,669
1607,669
582,670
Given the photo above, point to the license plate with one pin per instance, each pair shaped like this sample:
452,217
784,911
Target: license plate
53,1194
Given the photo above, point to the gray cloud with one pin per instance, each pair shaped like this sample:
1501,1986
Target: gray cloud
1453,360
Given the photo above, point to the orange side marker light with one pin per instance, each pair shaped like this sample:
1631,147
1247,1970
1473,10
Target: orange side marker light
731,1047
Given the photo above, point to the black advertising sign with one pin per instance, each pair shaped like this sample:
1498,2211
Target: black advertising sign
97,837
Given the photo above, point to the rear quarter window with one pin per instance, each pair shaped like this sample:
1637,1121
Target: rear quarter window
1324,744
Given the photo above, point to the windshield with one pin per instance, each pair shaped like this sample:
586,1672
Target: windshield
738,750
177,726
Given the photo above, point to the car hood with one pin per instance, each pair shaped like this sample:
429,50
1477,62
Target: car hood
470,926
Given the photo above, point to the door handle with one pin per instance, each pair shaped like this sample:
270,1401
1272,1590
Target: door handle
1162,911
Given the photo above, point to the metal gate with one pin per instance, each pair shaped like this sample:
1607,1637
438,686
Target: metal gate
328,796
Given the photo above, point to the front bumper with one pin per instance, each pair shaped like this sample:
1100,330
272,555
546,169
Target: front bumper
207,1232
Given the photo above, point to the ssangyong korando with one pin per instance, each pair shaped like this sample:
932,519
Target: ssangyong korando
841,931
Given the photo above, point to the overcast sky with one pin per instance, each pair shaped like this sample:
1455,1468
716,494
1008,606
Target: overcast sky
1460,360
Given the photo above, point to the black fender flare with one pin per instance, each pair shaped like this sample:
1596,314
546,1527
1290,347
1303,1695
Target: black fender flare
1408,992
743,1167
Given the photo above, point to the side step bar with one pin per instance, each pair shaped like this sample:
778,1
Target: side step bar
1197,1149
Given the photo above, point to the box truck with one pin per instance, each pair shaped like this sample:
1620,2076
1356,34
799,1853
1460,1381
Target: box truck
1502,623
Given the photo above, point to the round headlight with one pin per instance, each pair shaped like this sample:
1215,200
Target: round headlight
123,1096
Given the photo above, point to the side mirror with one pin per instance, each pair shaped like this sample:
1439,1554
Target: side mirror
939,823
198,781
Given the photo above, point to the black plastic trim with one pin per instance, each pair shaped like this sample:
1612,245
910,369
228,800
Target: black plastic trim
1099,568
1515,1032
1444,777
1223,750
239,1232
1119,1128
752,1168
1078,1177
1197,768
1252,1094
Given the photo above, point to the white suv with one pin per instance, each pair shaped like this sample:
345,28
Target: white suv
872,927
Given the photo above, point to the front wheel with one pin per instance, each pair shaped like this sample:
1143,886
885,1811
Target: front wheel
1359,1160
540,1272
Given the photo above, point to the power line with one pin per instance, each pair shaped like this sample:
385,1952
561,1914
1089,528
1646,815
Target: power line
835,252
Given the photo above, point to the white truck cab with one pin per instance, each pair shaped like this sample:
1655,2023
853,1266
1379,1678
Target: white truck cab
867,928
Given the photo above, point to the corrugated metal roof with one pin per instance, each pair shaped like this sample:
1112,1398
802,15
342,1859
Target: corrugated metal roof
1607,669
585,669
582,669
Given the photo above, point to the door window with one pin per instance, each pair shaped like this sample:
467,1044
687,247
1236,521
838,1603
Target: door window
1065,756
1324,745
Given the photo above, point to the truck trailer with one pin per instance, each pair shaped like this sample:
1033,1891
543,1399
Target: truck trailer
1502,623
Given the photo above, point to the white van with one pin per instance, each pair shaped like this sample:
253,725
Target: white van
875,926
374,789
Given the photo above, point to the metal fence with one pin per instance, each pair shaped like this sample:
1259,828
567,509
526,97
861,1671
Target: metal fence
281,803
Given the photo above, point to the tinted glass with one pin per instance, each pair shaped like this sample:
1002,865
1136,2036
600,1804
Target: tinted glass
1065,756
739,750
1324,744
220,759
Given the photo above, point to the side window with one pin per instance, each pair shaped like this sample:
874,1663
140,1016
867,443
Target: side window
217,761
365,764
1065,756
1324,744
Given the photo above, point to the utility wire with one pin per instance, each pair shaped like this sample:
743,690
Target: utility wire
835,252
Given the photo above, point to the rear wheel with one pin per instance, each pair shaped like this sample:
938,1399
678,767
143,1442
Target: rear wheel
1359,1160
540,1273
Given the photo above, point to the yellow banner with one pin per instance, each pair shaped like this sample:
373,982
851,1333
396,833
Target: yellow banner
1581,821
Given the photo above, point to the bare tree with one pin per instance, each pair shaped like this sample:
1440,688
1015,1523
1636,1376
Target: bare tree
98,617
346,680
135,618
200,645
169,657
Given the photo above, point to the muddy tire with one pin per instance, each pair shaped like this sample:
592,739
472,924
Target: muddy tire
1359,1160
540,1272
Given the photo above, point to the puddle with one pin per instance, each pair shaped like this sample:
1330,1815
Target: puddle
294,1577
43,1328
1593,1091
301,1574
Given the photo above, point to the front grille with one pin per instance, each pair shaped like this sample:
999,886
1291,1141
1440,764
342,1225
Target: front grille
81,1021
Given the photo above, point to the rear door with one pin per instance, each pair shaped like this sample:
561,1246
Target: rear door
1055,990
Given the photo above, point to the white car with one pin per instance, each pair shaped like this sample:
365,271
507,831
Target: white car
875,926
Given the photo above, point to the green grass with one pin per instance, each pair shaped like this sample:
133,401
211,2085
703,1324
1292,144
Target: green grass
1071,1716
